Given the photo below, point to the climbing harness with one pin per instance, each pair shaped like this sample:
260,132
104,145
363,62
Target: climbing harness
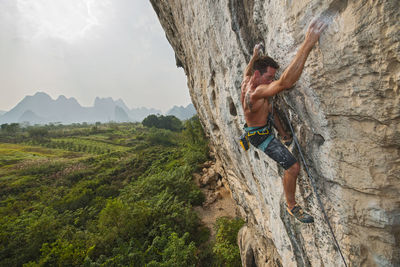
315,189
260,131
244,141
251,131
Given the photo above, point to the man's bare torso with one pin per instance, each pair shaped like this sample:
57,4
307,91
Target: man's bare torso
256,112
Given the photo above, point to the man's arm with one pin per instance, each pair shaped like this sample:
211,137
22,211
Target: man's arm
257,51
256,54
294,70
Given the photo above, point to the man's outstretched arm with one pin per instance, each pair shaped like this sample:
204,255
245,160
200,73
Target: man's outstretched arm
293,71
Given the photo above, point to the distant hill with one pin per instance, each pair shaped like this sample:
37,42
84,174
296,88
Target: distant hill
138,114
2,112
31,117
181,112
41,108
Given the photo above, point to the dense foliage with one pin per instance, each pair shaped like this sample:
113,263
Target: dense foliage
105,195
225,249
168,122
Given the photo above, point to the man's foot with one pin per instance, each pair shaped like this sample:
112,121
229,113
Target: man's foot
300,214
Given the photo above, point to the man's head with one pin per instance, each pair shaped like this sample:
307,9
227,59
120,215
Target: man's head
263,62
264,68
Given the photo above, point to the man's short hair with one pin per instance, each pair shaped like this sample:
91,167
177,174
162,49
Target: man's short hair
263,62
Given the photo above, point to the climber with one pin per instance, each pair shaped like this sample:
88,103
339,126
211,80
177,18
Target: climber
257,86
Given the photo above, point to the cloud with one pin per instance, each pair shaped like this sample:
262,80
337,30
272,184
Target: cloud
87,48
67,20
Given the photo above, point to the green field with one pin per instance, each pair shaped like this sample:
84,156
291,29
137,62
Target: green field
106,195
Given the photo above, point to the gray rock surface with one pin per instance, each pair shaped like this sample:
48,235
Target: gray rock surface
345,110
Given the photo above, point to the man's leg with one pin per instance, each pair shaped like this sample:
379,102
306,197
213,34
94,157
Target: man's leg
278,152
289,184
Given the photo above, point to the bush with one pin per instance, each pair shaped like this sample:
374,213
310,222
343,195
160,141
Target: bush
38,132
123,221
177,252
21,238
225,249
160,138
62,253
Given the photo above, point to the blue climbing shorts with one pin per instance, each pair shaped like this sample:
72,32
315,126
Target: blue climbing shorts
274,149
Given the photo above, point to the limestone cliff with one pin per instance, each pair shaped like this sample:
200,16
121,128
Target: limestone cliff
345,110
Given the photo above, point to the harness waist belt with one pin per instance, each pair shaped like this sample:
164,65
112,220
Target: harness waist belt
263,130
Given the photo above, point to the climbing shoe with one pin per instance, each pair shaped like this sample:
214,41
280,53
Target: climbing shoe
300,214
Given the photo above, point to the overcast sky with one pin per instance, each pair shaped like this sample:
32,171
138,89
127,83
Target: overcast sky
87,48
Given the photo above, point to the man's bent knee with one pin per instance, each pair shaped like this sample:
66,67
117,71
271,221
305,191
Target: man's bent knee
294,169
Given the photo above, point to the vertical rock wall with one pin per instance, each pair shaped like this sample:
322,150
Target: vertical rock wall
345,110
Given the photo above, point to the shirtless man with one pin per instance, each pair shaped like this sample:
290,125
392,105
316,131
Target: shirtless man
257,86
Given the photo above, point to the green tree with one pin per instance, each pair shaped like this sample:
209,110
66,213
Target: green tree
194,131
62,253
11,128
122,222
38,132
178,252
225,249
150,121
163,122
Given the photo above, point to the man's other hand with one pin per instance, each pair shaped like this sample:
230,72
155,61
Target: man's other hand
258,50
314,31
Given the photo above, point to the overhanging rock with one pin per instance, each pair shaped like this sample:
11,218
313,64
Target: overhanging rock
345,110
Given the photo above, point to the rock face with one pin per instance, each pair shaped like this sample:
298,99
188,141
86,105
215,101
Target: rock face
345,111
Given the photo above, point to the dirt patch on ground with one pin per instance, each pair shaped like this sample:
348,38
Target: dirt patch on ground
219,202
